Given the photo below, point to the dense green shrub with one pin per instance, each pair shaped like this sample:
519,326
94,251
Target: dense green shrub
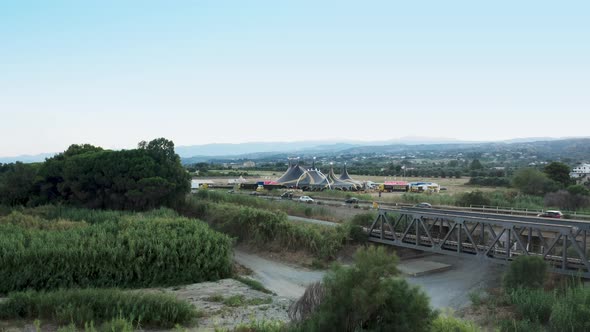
485,181
534,305
445,323
513,325
135,251
82,306
17,183
114,325
363,219
533,182
526,272
369,297
262,326
473,198
571,312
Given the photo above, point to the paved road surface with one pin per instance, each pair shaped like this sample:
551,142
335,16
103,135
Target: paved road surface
448,289
451,288
284,280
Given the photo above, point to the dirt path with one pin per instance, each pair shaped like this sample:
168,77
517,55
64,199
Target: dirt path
313,221
284,280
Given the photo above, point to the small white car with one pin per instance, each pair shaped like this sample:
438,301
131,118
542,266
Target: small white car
306,199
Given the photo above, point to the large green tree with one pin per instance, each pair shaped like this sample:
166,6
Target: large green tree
138,179
559,172
17,183
475,165
533,182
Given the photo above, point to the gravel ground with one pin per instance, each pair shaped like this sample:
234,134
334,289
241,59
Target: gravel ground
208,298
205,296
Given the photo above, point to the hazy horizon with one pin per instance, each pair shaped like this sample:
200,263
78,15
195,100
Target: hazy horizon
114,73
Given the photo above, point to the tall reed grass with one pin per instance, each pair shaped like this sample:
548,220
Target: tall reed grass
141,250
82,306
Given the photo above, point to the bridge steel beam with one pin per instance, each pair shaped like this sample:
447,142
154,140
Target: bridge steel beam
497,239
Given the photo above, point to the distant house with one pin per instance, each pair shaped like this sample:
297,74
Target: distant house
249,164
580,171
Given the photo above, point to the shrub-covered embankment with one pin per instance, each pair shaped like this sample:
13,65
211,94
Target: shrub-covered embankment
139,250
289,207
269,229
81,306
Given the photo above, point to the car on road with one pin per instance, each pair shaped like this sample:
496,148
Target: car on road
306,199
230,191
352,200
423,205
287,195
254,193
551,214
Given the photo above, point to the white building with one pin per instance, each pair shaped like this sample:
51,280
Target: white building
196,184
580,171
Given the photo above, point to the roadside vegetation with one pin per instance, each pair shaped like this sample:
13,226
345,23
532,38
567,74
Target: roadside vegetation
269,229
287,206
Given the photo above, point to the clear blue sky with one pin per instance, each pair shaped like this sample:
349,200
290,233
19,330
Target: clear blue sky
113,73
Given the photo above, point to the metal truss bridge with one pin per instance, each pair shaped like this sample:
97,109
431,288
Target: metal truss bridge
496,237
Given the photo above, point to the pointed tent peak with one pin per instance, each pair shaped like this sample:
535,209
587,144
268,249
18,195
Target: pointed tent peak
331,175
313,163
345,175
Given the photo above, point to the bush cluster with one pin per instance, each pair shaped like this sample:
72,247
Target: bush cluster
526,272
369,296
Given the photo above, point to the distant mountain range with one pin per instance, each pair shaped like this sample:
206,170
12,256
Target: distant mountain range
26,158
258,150
545,145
